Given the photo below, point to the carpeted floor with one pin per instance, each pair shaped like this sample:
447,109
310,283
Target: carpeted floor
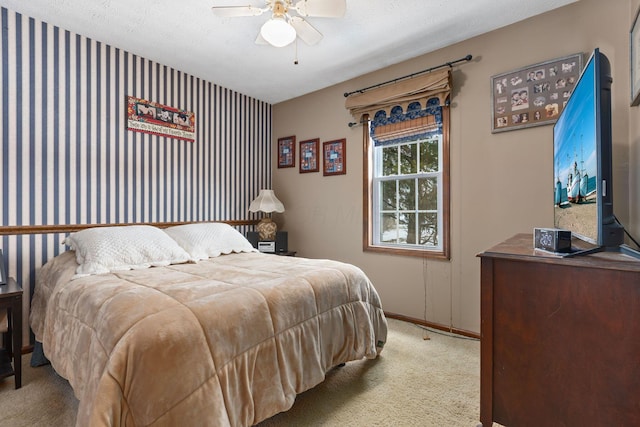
415,382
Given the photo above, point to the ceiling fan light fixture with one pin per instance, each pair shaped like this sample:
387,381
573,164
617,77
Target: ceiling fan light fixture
278,32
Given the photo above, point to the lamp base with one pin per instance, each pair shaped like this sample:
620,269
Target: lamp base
267,229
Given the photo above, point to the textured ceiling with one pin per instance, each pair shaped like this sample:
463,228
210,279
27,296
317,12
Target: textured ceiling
186,35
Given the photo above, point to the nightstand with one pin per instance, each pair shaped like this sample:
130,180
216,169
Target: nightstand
11,300
286,253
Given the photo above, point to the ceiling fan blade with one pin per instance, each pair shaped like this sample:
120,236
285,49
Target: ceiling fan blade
233,11
321,8
305,31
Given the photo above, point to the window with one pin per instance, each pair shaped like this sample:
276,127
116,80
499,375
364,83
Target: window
407,181
406,163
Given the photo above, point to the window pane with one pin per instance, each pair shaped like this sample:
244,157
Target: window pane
408,227
429,156
408,158
389,161
389,229
407,194
428,229
427,194
388,198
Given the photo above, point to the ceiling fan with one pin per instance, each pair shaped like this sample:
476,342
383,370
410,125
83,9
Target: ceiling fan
283,28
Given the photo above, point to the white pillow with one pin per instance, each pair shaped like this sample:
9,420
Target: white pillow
106,249
209,239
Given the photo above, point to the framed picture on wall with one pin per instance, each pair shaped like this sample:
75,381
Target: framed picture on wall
534,95
287,152
158,119
309,155
334,157
634,60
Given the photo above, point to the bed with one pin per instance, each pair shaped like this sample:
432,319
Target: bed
202,330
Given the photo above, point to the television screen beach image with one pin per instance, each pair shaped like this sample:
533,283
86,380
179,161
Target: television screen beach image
575,162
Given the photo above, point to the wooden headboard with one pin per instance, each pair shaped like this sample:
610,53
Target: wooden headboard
71,228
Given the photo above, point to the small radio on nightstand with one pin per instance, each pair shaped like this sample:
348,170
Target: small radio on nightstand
270,246
267,246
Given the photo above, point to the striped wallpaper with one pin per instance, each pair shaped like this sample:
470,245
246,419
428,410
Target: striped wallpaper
67,157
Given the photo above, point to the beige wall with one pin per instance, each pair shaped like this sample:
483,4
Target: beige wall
501,184
634,155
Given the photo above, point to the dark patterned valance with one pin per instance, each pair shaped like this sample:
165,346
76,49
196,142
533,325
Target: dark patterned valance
405,126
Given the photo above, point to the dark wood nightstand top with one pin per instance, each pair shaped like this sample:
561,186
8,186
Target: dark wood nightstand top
11,288
287,253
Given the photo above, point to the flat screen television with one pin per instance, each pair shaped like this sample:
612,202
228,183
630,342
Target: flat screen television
582,160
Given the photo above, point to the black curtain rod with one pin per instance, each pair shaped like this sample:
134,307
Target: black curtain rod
446,64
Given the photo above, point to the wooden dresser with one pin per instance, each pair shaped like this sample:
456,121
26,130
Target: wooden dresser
560,338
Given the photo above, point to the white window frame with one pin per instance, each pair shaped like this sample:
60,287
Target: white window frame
377,180
371,186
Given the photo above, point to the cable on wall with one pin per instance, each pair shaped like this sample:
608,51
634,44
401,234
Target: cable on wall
425,335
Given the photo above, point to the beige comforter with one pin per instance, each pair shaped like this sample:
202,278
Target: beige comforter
227,341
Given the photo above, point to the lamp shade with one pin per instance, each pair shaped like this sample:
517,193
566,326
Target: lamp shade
266,202
278,32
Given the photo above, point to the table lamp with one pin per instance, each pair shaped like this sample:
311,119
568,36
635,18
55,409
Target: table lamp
266,202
